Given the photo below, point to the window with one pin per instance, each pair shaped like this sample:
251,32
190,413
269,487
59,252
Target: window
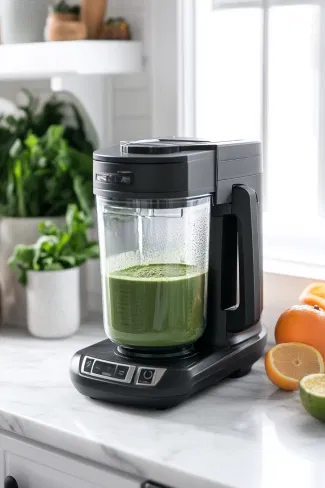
260,73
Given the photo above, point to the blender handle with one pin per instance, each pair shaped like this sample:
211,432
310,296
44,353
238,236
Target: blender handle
245,207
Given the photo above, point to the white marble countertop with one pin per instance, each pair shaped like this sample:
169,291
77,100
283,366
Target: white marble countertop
241,434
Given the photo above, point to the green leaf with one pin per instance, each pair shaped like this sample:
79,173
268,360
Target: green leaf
70,216
21,261
31,141
92,250
82,191
45,246
22,279
64,240
22,256
54,134
48,228
53,267
81,258
18,174
16,149
68,261
46,262
42,162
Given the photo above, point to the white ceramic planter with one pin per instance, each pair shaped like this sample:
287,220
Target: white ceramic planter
53,303
15,231
23,20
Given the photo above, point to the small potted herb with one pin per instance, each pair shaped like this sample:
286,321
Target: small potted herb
50,269
64,24
38,180
116,28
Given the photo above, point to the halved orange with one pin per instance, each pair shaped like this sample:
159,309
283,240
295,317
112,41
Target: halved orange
314,294
286,364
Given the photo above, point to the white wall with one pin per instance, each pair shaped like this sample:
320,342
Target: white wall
132,93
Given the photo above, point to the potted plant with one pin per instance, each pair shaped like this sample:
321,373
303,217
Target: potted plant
50,269
116,28
63,11
40,178
64,24
93,14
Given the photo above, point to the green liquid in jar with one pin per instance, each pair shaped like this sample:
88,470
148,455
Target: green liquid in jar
156,305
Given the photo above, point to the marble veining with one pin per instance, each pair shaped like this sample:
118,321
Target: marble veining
241,433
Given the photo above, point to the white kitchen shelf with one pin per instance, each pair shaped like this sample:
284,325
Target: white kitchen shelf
50,59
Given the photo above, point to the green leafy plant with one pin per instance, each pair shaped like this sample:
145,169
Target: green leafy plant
44,175
63,7
36,118
57,248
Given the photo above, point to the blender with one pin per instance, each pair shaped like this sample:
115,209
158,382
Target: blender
179,224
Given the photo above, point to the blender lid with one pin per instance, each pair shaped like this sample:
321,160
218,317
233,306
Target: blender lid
172,167
165,148
149,147
165,145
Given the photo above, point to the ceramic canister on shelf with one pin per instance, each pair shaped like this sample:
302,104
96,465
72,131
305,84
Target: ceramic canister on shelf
93,14
23,21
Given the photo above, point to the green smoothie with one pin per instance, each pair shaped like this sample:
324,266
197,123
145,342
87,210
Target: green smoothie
156,305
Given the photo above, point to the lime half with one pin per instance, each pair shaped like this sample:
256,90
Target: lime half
312,394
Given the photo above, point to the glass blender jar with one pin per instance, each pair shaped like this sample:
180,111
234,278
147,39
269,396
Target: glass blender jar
154,267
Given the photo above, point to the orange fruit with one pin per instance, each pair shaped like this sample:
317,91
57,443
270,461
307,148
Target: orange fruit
302,323
287,364
314,294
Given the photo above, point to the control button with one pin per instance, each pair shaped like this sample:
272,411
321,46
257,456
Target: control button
88,364
146,376
121,372
104,369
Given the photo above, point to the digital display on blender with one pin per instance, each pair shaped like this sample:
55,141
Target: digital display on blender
117,178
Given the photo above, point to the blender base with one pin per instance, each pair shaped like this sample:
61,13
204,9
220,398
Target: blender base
101,372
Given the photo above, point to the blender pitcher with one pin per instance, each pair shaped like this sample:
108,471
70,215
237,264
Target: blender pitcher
154,267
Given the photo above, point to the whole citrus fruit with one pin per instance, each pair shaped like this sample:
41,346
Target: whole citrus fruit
304,324
314,294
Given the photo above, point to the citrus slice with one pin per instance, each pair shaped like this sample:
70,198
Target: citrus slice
286,364
313,295
312,394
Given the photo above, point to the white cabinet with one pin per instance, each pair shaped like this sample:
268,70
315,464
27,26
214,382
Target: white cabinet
34,466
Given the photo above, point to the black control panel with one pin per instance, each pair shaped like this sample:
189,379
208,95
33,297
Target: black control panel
124,373
104,369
